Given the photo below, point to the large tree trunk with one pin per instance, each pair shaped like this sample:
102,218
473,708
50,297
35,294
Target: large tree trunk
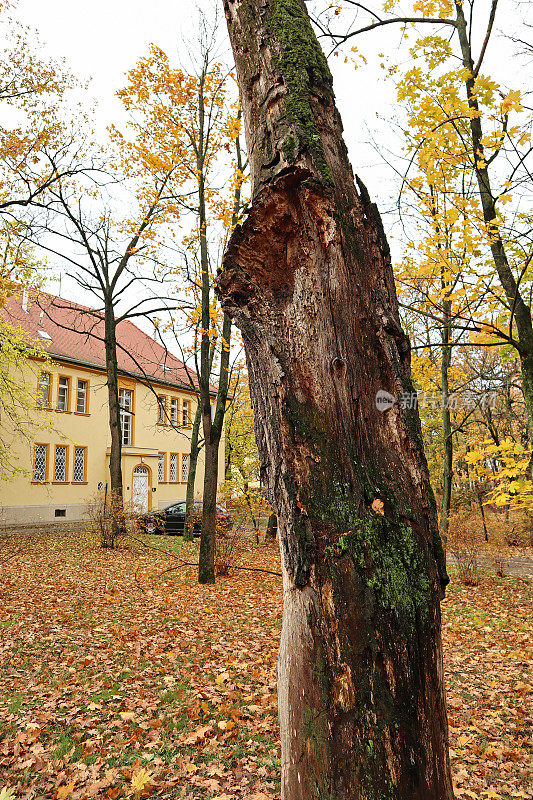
309,282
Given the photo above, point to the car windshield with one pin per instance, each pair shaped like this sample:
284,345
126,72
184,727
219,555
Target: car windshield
175,509
179,507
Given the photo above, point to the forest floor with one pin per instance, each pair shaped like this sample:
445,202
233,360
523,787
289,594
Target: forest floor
119,678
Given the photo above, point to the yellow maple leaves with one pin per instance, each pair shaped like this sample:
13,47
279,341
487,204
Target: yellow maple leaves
140,780
506,465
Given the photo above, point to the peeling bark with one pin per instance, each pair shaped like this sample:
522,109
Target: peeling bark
308,279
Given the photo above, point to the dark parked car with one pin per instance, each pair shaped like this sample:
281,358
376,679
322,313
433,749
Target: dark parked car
171,520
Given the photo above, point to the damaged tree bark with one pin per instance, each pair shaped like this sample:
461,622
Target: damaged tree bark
308,279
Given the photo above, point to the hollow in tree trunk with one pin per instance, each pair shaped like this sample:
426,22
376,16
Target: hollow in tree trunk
308,279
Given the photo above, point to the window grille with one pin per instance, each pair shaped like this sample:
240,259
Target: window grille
161,468
79,464
185,467
60,466
40,459
62,394
161,408
81,401
43,389
174,411
126,405
174,467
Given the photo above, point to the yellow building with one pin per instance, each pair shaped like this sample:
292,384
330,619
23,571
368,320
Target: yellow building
67,463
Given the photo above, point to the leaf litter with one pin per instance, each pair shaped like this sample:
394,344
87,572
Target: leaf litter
117,682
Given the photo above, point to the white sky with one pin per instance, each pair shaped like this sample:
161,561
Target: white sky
102,39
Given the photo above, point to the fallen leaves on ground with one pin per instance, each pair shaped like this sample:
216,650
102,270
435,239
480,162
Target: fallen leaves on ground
122,682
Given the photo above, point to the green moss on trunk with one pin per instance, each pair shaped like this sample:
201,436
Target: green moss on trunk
389,558
303,66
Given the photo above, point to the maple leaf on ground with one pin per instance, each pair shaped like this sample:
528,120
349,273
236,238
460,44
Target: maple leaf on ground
65,791
140,780
6,794
197,736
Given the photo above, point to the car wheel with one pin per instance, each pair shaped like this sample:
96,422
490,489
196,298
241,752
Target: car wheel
150,528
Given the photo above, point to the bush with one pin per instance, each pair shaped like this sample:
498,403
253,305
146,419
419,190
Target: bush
247,505
519,529
109,519
465,543
229,546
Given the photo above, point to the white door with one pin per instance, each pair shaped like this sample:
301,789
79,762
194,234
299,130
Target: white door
140,490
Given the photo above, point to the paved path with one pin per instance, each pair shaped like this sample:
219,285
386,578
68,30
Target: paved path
516,565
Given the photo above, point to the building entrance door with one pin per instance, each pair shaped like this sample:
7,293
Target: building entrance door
140,490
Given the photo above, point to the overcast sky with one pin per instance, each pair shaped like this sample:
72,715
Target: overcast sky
102,39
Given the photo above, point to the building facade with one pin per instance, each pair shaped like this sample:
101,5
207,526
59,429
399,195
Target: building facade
66,462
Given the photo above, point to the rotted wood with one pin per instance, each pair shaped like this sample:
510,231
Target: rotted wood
308,280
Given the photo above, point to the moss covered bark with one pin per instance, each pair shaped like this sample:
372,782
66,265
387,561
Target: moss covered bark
308,279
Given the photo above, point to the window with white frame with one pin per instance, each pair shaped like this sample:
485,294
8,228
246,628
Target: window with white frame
174,411
161,409
186,413
125,398
81,399
161,468
79,465
43,390
40,462
60,465
62,393
185,467
173,467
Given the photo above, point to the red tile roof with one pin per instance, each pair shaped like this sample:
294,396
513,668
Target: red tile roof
77,334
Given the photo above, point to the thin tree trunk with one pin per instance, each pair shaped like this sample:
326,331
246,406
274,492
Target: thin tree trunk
447,474
308,279
212,426
519,309
206,568
213,433
191,478
255,522
115,463
272,527
479,496
115,428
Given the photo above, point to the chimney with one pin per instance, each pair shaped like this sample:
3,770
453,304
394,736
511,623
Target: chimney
25,300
